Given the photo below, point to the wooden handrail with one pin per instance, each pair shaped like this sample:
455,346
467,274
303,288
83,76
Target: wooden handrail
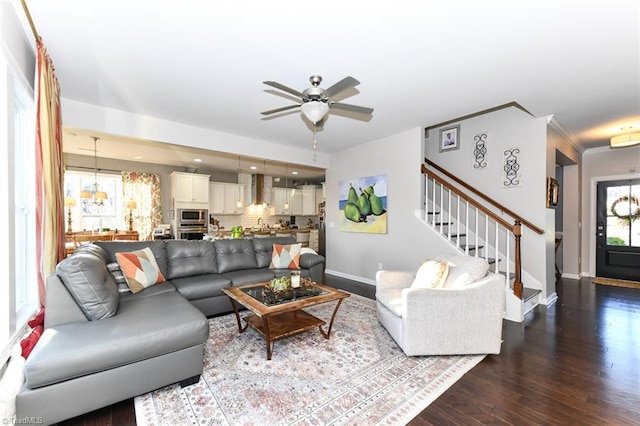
468,199
516,228
485,197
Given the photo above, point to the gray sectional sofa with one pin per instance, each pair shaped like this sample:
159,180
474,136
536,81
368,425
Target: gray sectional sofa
101,346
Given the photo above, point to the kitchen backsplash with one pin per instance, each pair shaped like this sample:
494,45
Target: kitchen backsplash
253,213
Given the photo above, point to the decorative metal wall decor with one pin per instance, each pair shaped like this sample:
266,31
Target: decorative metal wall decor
363,204
480,142
511,168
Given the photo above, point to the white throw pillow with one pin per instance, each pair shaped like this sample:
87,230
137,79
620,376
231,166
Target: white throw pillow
464,270
431,274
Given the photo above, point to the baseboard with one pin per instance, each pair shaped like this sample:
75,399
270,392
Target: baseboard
350,277
571,276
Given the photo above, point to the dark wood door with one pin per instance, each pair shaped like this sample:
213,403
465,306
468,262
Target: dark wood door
618,230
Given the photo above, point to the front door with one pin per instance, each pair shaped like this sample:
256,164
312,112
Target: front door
618,230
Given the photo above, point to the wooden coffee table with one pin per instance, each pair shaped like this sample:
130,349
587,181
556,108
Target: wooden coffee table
274,320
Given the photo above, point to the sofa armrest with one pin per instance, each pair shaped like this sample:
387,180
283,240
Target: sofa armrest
308,260
394,279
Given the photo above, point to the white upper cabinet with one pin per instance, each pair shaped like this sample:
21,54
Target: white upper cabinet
224,198
190,188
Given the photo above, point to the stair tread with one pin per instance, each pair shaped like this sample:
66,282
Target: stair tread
471,247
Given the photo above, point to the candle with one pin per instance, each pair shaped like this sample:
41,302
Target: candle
295,279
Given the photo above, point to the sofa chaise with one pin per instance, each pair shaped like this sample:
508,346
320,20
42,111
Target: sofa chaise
101,345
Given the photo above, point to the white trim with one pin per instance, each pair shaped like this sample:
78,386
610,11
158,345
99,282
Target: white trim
550,300
350,277
567,135
571,276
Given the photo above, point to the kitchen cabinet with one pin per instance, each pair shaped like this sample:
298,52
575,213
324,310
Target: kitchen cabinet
280,198
224,198
309,207
295,201
190,189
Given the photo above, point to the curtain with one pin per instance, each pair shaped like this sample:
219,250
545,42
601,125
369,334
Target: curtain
144,189
49,171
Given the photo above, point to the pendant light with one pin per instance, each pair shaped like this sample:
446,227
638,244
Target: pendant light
286,185
95,197
239,202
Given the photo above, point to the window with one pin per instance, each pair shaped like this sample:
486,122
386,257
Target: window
87,215
19,289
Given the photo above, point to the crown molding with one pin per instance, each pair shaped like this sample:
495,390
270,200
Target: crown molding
567,135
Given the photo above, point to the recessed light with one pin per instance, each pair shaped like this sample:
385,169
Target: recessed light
138,157
294,173
253,167
198,160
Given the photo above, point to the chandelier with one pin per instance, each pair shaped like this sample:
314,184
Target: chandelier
95,196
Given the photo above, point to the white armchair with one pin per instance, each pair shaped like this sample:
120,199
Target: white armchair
456,320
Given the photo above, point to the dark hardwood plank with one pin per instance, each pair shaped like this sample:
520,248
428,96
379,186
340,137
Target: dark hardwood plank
575,362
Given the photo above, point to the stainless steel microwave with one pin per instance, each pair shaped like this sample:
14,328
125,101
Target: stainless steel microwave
192,216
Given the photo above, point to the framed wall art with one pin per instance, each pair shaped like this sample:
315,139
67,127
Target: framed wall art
363,204
553,192
450,138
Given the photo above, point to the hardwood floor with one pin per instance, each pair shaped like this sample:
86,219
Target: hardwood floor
575,362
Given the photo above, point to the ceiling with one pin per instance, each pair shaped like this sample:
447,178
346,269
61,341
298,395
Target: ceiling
420,63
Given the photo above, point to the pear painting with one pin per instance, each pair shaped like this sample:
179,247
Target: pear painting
363,204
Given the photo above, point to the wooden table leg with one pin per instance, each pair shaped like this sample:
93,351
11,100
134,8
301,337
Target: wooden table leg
235,309
267,337
327,334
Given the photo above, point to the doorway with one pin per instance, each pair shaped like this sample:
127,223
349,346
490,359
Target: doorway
618,229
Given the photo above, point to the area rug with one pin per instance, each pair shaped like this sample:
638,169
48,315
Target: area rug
615,282
359,377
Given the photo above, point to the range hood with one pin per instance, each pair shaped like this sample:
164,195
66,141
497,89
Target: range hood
257,189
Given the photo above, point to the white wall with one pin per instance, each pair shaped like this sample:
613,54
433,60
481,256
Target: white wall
116,122
407,241
601,165
507,128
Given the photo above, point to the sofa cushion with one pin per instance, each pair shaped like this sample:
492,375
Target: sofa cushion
431,274
189,258
234,255
144,328
264,247
158,247
85,276
391,298
140,269
285,256
201,286
464,270
249,276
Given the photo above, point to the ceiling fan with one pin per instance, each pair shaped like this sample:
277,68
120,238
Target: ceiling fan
316,102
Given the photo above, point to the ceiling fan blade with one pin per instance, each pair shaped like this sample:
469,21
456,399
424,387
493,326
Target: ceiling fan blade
344,84
283,88
352,108
273,111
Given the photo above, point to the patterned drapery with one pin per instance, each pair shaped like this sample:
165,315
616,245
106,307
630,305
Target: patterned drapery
49,170
144,189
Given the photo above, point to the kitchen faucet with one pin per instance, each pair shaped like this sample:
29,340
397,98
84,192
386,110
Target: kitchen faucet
260,223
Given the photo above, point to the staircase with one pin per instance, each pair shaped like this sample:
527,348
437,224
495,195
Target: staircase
478,226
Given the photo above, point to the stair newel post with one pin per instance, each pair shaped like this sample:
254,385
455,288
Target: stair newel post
517,284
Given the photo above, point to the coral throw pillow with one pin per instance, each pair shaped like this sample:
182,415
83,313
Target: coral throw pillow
285,256
431,274
140,269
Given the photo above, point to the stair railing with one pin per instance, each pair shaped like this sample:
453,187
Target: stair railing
438,184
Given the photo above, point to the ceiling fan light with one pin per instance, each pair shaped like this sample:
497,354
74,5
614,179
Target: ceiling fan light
314,110
628,139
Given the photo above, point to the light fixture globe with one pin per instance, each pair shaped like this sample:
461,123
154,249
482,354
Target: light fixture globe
314,110
627,139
